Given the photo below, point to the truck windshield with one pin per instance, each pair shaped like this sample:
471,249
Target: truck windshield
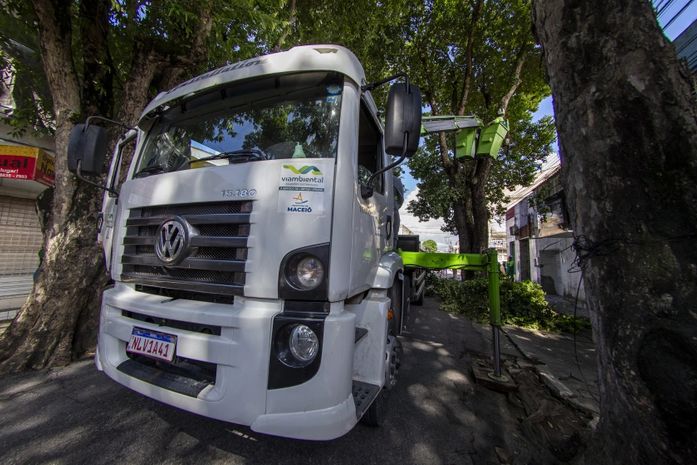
293,116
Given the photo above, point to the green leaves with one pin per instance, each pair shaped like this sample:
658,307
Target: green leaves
429,245
153,42
21,71
476,58
522,304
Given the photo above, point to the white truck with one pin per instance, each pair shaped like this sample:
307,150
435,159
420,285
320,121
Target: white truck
252,244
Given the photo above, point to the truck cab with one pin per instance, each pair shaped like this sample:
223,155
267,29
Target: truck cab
252,244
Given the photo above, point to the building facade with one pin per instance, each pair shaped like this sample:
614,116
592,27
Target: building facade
26,171
539,236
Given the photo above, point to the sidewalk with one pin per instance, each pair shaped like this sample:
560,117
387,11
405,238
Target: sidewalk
568,305
566,366
14,290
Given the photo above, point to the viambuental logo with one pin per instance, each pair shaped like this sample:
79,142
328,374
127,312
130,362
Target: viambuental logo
301,189
307,175
304,170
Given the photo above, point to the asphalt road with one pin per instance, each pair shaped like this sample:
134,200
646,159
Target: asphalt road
437,416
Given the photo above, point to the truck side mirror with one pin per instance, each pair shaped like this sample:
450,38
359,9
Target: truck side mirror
87,149
403,120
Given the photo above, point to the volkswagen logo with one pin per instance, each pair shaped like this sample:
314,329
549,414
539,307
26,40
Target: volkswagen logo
172,241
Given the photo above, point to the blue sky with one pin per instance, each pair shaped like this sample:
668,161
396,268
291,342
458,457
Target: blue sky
679,23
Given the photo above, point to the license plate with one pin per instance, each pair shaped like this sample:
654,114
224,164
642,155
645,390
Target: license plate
152,344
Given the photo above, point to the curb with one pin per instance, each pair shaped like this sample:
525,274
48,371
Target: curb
8,315
556,386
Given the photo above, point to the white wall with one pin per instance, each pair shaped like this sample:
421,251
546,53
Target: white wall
553,260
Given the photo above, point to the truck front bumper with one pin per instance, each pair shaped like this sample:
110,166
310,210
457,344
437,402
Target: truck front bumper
321,408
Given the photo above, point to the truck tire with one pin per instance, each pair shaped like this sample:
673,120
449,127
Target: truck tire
376,413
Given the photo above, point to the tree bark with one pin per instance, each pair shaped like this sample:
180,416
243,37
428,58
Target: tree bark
97,88
627,124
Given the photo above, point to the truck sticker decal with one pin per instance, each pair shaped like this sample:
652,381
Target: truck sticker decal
304,170
301,190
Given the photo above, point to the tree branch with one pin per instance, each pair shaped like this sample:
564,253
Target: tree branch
150,66
291,24
476,12
520,61
97,74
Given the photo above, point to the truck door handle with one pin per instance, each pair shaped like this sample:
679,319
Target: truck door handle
388,226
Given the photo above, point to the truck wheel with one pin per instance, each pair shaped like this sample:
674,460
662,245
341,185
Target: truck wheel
376,413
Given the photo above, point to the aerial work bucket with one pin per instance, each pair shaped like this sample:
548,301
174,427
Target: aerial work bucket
491,137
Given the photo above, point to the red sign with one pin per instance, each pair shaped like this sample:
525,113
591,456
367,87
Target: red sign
17,167
28,163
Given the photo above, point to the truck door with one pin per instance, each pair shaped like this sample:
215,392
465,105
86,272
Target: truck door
105,235
372,214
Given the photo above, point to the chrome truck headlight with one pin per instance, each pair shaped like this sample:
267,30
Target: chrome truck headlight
296,351
309,272
303,344
303,274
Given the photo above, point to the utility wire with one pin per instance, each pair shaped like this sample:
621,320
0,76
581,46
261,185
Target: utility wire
687,44
691,58
677,15
664,8
658,4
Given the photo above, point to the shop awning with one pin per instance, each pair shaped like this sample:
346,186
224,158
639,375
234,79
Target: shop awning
26,163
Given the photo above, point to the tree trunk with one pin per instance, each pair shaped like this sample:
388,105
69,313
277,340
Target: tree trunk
63,300
471,218
627,124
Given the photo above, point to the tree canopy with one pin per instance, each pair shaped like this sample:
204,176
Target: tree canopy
478,59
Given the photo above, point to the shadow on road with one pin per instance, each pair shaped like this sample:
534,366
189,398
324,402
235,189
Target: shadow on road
437,416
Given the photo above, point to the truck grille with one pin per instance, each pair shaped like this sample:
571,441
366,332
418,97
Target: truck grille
215,256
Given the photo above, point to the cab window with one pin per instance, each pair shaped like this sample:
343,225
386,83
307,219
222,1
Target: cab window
370,152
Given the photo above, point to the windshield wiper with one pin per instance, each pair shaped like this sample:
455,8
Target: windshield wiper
236,156
149,170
